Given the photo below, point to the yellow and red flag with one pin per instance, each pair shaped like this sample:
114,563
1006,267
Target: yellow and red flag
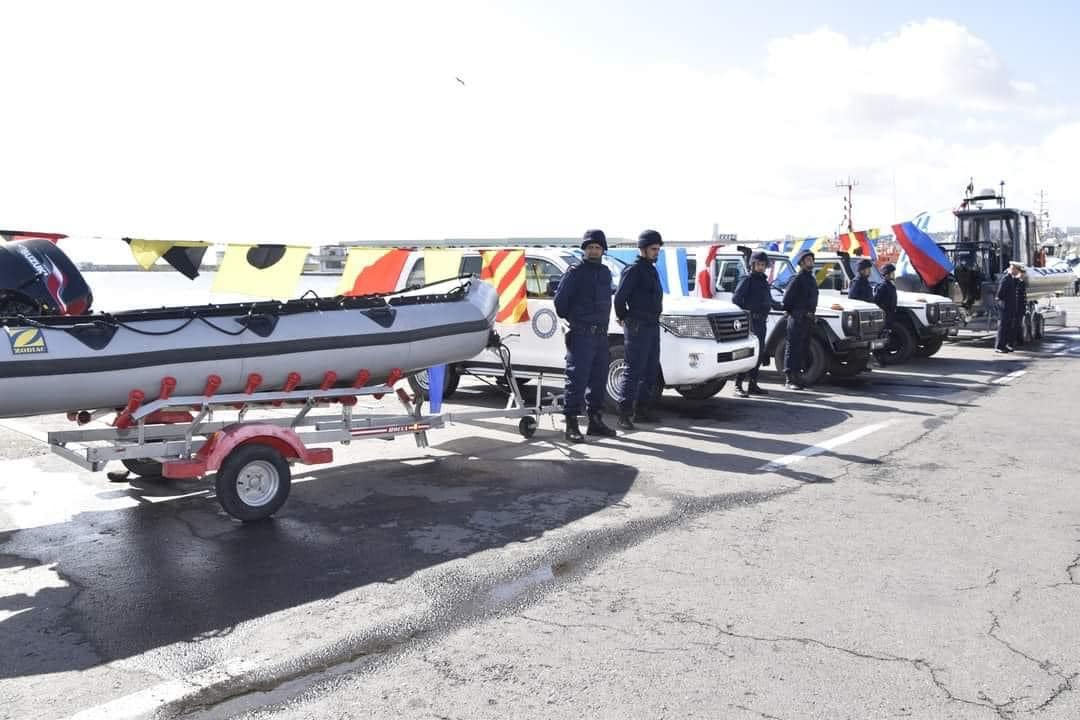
505,270
261,270
372,270
859,243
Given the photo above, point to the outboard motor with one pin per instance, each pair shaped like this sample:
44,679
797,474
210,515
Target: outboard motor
37,278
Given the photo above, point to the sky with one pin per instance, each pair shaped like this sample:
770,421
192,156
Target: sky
317,122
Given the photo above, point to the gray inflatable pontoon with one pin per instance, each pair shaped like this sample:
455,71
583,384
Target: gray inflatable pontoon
92,362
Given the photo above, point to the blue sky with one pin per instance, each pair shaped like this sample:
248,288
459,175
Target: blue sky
324,120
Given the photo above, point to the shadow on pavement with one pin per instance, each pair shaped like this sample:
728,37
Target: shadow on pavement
177,572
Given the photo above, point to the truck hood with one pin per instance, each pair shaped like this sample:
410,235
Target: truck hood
828,298
680,305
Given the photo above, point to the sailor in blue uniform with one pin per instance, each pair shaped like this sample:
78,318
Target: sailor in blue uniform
583,298
754,295
638,304
885,298
861,289
1008,309
800,302
1021,307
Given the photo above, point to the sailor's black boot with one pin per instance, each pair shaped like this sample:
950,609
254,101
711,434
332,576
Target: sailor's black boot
597,426
756,389
573,432
643,414
625,421
791,383
740,390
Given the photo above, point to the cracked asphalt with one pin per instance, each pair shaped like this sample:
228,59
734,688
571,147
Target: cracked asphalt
928,569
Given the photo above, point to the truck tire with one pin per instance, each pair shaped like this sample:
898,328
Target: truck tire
703,391
613,386
253,482
819,361
901,345
929,348
418,381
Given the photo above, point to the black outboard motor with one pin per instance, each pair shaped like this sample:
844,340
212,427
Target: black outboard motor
37,278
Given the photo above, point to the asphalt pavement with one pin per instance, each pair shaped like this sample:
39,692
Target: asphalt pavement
901,545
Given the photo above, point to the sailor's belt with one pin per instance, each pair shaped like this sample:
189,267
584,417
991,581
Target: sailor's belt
589,329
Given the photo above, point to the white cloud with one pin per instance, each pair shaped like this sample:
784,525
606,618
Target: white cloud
256,122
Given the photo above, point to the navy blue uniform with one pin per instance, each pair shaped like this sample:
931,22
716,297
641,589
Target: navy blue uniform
1021,311
861,289
800,302
584,299
885,298
638,303
755,297
1008,310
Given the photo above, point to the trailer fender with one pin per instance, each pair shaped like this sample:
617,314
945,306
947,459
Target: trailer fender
223,442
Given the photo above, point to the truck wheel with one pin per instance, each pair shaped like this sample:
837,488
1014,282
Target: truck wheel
143,467
703,391
929,348
253,482
418,381
901,345
816,368
616,368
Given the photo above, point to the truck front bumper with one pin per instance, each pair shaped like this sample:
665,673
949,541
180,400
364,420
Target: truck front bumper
691,361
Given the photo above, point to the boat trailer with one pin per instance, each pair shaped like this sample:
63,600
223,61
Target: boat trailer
185,437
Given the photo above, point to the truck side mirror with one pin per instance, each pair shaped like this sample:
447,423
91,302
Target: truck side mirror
553,286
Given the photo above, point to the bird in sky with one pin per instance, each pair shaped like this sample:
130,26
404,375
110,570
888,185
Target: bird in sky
459,80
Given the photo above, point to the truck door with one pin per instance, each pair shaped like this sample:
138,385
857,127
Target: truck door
541,339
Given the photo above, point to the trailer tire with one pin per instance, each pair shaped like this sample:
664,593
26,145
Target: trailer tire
819,361
253,482
418,381
143,467
929,348
901,345
527,426
1040,326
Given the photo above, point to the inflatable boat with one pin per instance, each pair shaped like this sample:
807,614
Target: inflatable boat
65,363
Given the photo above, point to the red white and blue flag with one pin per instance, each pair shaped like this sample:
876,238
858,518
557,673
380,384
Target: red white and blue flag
932,264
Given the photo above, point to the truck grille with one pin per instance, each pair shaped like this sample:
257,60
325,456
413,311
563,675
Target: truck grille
730,326
950,314
871,323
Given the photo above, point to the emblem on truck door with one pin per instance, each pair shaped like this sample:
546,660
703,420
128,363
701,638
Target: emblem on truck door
545,323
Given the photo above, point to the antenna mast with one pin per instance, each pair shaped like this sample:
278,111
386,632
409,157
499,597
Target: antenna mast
849,218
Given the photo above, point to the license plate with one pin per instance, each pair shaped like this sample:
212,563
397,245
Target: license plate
743,353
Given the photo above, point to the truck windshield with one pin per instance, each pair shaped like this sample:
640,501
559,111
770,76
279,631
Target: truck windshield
875,274
780,272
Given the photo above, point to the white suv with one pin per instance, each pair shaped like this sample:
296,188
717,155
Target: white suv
703,342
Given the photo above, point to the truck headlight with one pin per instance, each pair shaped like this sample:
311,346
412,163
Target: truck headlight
933,313
688,326
850,322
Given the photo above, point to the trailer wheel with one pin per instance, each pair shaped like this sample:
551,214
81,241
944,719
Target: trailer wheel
253,482
143,467
1040,326
527,426
930,347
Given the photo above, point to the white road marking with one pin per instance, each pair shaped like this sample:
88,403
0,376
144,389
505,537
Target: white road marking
823,447
1008,378
24,429
145,702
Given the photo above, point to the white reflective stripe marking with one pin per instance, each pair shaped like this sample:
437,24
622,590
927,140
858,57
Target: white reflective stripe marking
823,447
1008,378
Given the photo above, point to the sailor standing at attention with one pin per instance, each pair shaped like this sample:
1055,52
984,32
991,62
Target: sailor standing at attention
885,298
1021,307
755,297
583,298
638,304
1007,300
860,287
800,302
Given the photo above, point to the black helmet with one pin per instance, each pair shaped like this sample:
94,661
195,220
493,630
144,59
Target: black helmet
865,264
803,254
647,238
594,237
888,269
759,256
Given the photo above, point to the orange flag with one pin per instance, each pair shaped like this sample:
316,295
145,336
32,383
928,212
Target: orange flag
505,270
372,270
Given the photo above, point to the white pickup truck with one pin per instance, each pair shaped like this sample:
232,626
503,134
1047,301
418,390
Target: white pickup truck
703,342
846,330
923,320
